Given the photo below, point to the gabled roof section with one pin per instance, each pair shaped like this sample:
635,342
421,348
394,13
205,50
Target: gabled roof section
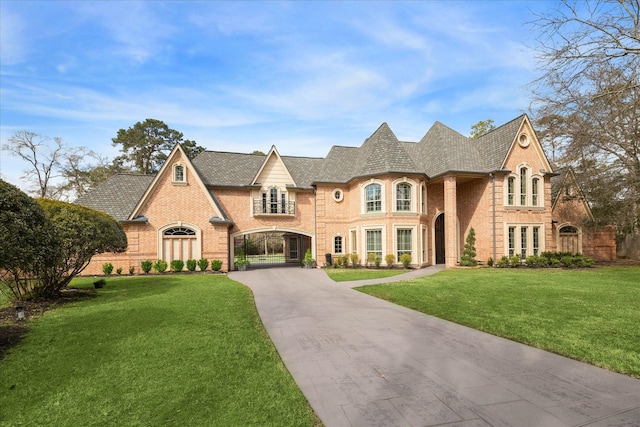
166,168
565,185
498,143
118,195
273,168
222,169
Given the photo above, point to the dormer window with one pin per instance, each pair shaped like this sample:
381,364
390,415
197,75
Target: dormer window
179,175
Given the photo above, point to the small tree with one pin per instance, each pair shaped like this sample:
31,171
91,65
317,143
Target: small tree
468,258
107,268
28,243
405,259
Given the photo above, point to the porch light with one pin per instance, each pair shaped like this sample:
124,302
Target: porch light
20,311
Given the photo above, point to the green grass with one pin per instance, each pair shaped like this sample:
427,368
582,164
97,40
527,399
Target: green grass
350,274
151,351
590,315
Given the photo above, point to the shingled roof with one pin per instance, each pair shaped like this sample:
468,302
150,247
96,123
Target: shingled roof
440,151
118,195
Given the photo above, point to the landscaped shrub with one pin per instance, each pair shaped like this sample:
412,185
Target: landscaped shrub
191,264
160,266
515,261
503,262
490,262
371,259
177,265
216,265
532,261
342,261
107,268
377,261
99,283
355,261
146,266
132,270
203,263
468,258
405,259
389,259
119,271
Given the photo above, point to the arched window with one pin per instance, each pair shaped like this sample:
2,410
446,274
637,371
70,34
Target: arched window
403,197
179,231
523,186
373,198
511,190
178,173
534,191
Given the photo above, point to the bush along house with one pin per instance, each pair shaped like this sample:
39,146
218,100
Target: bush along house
385,197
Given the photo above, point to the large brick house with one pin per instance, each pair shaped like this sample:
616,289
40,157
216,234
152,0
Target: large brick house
384,197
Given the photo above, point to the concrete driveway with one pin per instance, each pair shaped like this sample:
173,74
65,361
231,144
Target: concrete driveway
361,361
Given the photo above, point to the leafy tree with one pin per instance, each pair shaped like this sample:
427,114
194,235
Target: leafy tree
83,233
146,145
258,152
587,101
482,127
43,154
80,176
468,257
28,243
191,149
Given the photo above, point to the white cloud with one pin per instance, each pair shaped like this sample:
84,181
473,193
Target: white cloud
13,43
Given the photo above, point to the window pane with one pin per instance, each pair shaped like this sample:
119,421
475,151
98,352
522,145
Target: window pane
273,200
536,240
534,191
337,244
404,242
523,242
523,186
374,198
403,197
179,174
374,242
512,240
511,185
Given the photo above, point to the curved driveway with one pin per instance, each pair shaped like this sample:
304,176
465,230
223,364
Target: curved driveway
361,361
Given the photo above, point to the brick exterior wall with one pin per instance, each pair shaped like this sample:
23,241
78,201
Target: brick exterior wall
466,200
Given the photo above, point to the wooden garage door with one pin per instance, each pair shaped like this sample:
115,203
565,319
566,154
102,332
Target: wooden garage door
179,243
569,240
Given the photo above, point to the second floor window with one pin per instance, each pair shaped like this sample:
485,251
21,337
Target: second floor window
511,189
403,197
373,194
178,173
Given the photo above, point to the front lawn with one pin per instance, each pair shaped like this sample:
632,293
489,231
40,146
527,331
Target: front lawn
350,274
590,315
183,350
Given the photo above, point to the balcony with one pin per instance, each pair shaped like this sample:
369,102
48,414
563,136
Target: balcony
262,207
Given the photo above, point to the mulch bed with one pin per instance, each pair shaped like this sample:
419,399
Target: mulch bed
12,330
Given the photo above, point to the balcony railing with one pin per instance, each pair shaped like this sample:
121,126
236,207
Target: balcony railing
261,207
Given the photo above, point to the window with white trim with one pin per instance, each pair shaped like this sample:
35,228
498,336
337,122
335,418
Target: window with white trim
423,198
524,240
337,245
179,175
373,195
374,242
524,188
403,197
403,242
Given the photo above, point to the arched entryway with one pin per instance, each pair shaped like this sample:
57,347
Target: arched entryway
179,241
569,239
438,232
271,248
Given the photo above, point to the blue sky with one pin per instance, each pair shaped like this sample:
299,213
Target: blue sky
243,76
